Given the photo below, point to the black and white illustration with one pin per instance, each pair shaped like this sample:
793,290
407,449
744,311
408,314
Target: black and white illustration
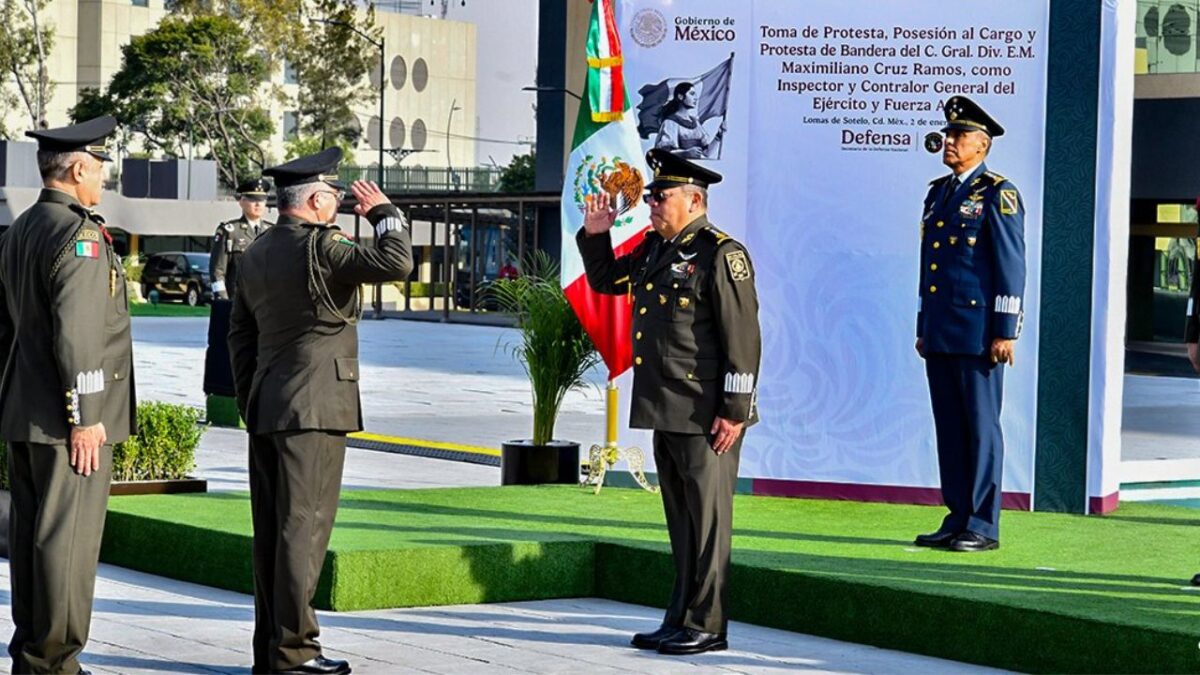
687,116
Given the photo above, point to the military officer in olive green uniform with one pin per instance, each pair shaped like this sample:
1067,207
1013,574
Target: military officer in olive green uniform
235,236
293,343
66,397
696,346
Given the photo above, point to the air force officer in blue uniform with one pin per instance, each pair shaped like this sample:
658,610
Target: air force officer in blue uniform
972,282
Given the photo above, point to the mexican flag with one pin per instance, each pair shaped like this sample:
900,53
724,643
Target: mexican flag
606,156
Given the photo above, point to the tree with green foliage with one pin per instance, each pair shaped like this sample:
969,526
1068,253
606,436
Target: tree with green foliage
331,66
318,39
518,176
191,83
25,47
308,145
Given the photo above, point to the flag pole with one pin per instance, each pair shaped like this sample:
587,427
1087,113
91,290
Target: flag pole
611,398
725,105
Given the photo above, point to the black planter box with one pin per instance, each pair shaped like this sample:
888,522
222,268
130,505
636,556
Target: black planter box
523,463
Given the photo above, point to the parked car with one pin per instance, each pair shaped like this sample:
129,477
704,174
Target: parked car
177,275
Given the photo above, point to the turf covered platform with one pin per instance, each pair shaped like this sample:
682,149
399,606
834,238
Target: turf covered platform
1063,594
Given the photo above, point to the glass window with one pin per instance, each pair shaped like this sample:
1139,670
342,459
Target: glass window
289,74
291,123
141,3
198,261
162,264
1166,38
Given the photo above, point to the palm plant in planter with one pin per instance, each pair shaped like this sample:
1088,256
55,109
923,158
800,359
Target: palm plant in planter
556,354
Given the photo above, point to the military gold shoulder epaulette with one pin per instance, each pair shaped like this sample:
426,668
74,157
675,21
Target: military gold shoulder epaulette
996,178
717,235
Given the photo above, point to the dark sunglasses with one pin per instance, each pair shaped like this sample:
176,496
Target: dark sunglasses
656,196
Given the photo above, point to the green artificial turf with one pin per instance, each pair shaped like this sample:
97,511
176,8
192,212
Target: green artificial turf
1064,593
166,309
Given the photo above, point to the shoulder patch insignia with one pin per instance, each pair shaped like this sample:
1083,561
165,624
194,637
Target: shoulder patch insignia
739,266
339,238
228,227
87,249
88,235
1009,202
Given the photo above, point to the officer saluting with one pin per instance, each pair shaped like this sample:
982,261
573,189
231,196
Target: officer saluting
67,394
696,355
235,236
293,343
971,284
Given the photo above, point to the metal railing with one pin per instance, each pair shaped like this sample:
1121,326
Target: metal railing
427,179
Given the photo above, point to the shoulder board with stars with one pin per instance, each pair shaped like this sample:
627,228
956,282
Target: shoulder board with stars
996,178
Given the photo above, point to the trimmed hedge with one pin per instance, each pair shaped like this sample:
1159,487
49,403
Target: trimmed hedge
163,449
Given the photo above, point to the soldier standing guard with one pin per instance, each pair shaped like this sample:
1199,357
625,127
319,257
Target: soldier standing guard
67,394
972,280
235,236
697,346
293,342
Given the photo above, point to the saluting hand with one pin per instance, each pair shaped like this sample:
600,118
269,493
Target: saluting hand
725,434
1003,351
85,448
368,196
599,213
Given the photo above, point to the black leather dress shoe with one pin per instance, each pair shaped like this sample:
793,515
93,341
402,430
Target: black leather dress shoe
652,640
939,539
690,641
971,542
321,666
1196,580
84,671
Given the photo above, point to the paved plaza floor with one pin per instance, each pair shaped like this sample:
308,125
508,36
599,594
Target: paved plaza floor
147,624
460,386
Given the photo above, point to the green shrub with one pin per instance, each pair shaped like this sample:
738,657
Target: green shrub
164,447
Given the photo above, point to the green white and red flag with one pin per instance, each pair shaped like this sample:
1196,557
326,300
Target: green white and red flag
606,156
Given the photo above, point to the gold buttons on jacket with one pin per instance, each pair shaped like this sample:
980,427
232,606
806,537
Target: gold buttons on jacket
933,289
973,303
642,310
933,267
649,286
639,335
937,244
691,376
638,361
941,223
684,302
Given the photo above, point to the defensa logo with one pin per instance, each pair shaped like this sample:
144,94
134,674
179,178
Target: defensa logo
874,140
648,28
